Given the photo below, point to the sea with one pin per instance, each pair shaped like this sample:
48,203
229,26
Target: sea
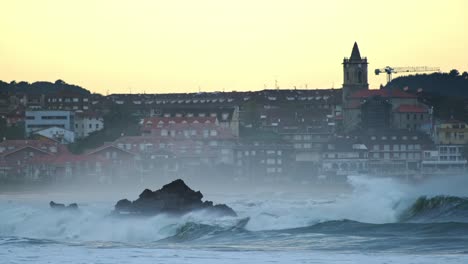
378,220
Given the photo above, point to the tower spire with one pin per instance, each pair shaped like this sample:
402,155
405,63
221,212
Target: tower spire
355,54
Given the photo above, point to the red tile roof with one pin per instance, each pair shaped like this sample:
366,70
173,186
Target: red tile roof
405,108
383,93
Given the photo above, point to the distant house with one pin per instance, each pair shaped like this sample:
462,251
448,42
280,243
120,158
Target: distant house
67,100
39,120
87,123
58,134
412,117
383,109
226,117
265,161
451,132
344,155
443,159
17,156
394,151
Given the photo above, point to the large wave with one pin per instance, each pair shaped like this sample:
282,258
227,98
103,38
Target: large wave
375,207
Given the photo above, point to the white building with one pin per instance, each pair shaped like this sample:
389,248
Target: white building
445,158
40,120
343,156
57,134
87,123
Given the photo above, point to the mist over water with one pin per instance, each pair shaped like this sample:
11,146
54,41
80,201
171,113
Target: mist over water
366,218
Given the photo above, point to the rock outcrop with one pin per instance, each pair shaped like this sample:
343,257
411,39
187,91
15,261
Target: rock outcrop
173,198
60,206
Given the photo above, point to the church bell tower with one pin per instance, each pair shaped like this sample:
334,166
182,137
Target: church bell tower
354,74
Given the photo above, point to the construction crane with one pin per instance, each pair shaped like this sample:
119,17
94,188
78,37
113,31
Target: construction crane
391,70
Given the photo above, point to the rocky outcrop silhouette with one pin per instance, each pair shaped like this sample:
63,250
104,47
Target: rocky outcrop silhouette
174,198
60,206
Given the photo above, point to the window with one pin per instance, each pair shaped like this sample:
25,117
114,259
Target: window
97,126
90,126
396,147
386,147
271,161
375,147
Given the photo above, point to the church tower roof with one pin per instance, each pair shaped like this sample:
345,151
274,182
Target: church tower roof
355,54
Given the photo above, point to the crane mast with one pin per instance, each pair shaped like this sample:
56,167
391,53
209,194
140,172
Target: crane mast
392,70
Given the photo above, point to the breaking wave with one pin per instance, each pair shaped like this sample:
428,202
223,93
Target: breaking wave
437,209
378,214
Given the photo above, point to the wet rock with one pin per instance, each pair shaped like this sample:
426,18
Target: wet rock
61,206
173,198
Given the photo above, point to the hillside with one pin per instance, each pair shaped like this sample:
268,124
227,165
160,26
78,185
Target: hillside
452,84
40,88
446,92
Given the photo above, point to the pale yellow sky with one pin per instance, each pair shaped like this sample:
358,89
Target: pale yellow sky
179,46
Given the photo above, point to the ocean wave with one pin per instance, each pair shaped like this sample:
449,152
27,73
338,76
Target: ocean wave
440,208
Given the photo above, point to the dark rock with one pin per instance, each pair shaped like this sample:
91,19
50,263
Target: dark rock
123,205
60,206
56,205
173,198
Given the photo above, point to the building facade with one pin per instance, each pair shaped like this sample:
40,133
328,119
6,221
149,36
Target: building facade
87,123
39,120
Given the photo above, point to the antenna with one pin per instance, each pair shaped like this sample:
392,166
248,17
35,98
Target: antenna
276,84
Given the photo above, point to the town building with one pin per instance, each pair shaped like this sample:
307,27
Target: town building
396,152
444,159
17,156
57,134
344,156
39,120
87,123
354,74
451,132
67,100
263,161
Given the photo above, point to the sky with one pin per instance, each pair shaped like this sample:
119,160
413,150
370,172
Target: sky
152,46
